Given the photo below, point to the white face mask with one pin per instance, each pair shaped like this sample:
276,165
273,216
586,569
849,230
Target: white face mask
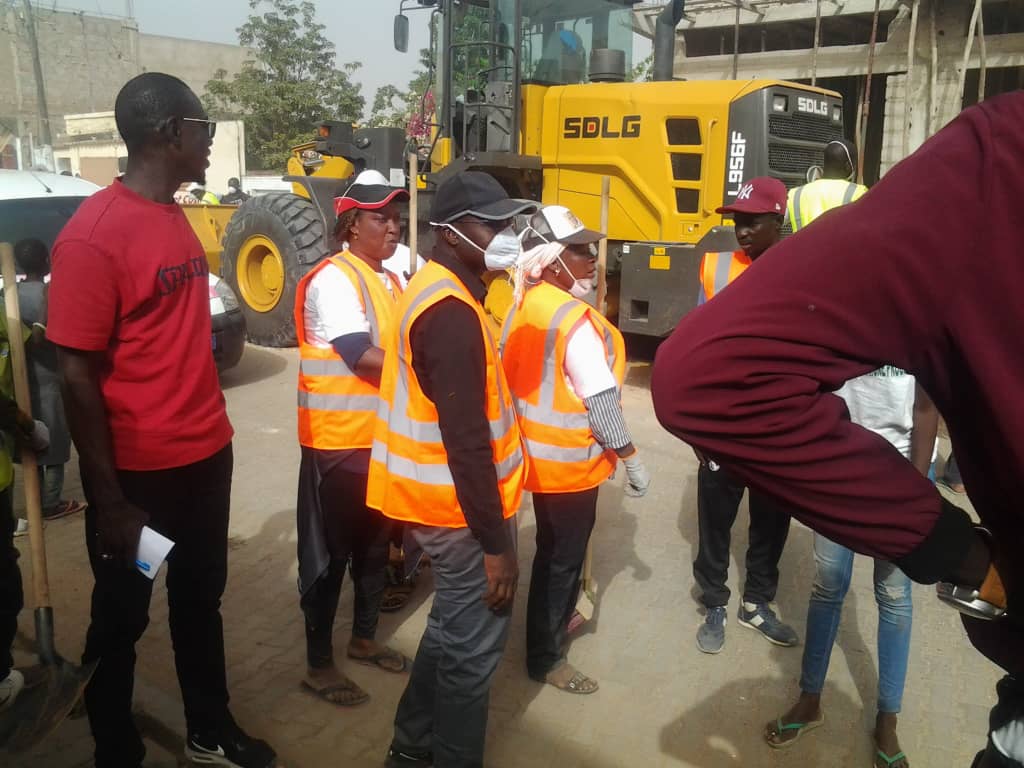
581,287
503,250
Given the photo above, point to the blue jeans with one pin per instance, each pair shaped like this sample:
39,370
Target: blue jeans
834,568
444,708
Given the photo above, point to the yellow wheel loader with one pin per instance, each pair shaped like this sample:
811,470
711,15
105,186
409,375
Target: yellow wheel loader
537,93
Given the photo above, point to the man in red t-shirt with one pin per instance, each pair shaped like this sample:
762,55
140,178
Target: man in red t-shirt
129,311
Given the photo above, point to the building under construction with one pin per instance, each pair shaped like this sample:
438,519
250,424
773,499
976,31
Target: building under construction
904,67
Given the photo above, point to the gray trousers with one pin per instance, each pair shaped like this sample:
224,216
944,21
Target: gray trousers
444,708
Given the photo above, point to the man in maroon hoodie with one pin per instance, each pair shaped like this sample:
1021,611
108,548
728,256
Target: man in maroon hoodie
748,378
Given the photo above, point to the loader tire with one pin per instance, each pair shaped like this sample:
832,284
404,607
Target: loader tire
269,245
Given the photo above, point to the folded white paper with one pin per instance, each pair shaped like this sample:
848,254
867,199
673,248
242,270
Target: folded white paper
153,550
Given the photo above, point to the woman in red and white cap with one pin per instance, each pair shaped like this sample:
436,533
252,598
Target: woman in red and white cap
565,365
343,309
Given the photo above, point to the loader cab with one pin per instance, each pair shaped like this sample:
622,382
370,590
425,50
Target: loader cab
485,52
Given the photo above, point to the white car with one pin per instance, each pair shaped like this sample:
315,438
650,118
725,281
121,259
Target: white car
38,204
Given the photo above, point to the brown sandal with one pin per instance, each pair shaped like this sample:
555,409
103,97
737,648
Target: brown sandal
578,683
335,693
399,662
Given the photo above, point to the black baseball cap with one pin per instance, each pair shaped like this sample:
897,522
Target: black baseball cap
475,193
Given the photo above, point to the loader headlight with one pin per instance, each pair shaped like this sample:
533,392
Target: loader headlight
780,102
837,113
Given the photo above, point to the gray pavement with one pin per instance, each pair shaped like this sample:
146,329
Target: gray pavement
661,702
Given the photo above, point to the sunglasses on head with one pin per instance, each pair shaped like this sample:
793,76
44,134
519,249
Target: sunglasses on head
211,125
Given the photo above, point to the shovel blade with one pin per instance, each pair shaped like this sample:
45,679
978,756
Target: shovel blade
50,692
585,605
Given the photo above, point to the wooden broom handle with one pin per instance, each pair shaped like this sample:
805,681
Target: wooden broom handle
30,477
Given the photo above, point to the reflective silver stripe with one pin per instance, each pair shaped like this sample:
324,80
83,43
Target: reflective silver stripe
325,368
395,414
435,474
851,190
504,468
321,402
544,412
722,271
797,221
547,416
547,381
428,474
548,452
368,308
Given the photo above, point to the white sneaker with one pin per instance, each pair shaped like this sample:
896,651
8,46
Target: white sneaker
22,527
10,687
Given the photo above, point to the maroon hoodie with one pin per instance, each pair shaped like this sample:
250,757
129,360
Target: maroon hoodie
925,272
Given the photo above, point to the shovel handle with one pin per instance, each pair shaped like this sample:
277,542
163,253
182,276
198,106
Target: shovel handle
588,560
30,477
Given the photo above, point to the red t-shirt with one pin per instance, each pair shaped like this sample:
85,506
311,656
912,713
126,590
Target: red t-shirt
130,280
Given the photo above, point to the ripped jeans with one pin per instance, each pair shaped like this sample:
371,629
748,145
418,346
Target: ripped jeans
834,568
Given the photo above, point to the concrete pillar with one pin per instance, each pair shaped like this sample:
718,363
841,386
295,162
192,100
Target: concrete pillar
911,100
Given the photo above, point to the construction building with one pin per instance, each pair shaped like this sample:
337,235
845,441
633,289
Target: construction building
904,67
74,63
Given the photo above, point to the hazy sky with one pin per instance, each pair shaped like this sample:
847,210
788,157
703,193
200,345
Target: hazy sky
361,30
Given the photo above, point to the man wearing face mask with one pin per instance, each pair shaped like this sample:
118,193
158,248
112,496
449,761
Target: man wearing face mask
447,459
835,187
758,214
565,364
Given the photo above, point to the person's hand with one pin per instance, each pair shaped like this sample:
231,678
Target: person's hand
118,528
24,426
35,438
502,577
638,479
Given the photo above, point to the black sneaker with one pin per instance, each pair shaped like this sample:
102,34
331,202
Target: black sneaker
231,748
762,618
711,634
398,758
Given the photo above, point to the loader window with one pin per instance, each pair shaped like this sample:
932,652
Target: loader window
559,36
686,167
683,131
687,200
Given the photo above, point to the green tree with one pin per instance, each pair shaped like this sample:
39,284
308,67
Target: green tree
643,71
390,108
291,83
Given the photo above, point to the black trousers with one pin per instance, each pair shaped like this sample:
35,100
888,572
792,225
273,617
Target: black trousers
190,506
1008,709
718,500
11,598
564,524
355,533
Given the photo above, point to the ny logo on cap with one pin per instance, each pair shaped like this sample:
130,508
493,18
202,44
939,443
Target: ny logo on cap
572,222
745,192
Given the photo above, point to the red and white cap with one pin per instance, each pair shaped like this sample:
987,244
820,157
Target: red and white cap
759,195
368,192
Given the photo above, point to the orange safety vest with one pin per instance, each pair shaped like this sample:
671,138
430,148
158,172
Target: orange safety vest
409,474
562,455
717,270
337,408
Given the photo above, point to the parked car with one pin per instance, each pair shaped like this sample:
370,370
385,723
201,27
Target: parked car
38,204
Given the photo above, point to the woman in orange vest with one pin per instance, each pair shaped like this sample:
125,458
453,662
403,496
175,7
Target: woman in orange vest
344,307
565,365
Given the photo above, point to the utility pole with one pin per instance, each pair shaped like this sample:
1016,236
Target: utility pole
37,67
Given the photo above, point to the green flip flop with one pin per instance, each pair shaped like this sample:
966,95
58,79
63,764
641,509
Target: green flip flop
889,761
781,728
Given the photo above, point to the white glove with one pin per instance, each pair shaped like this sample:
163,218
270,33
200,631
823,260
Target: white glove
638,479
40,437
